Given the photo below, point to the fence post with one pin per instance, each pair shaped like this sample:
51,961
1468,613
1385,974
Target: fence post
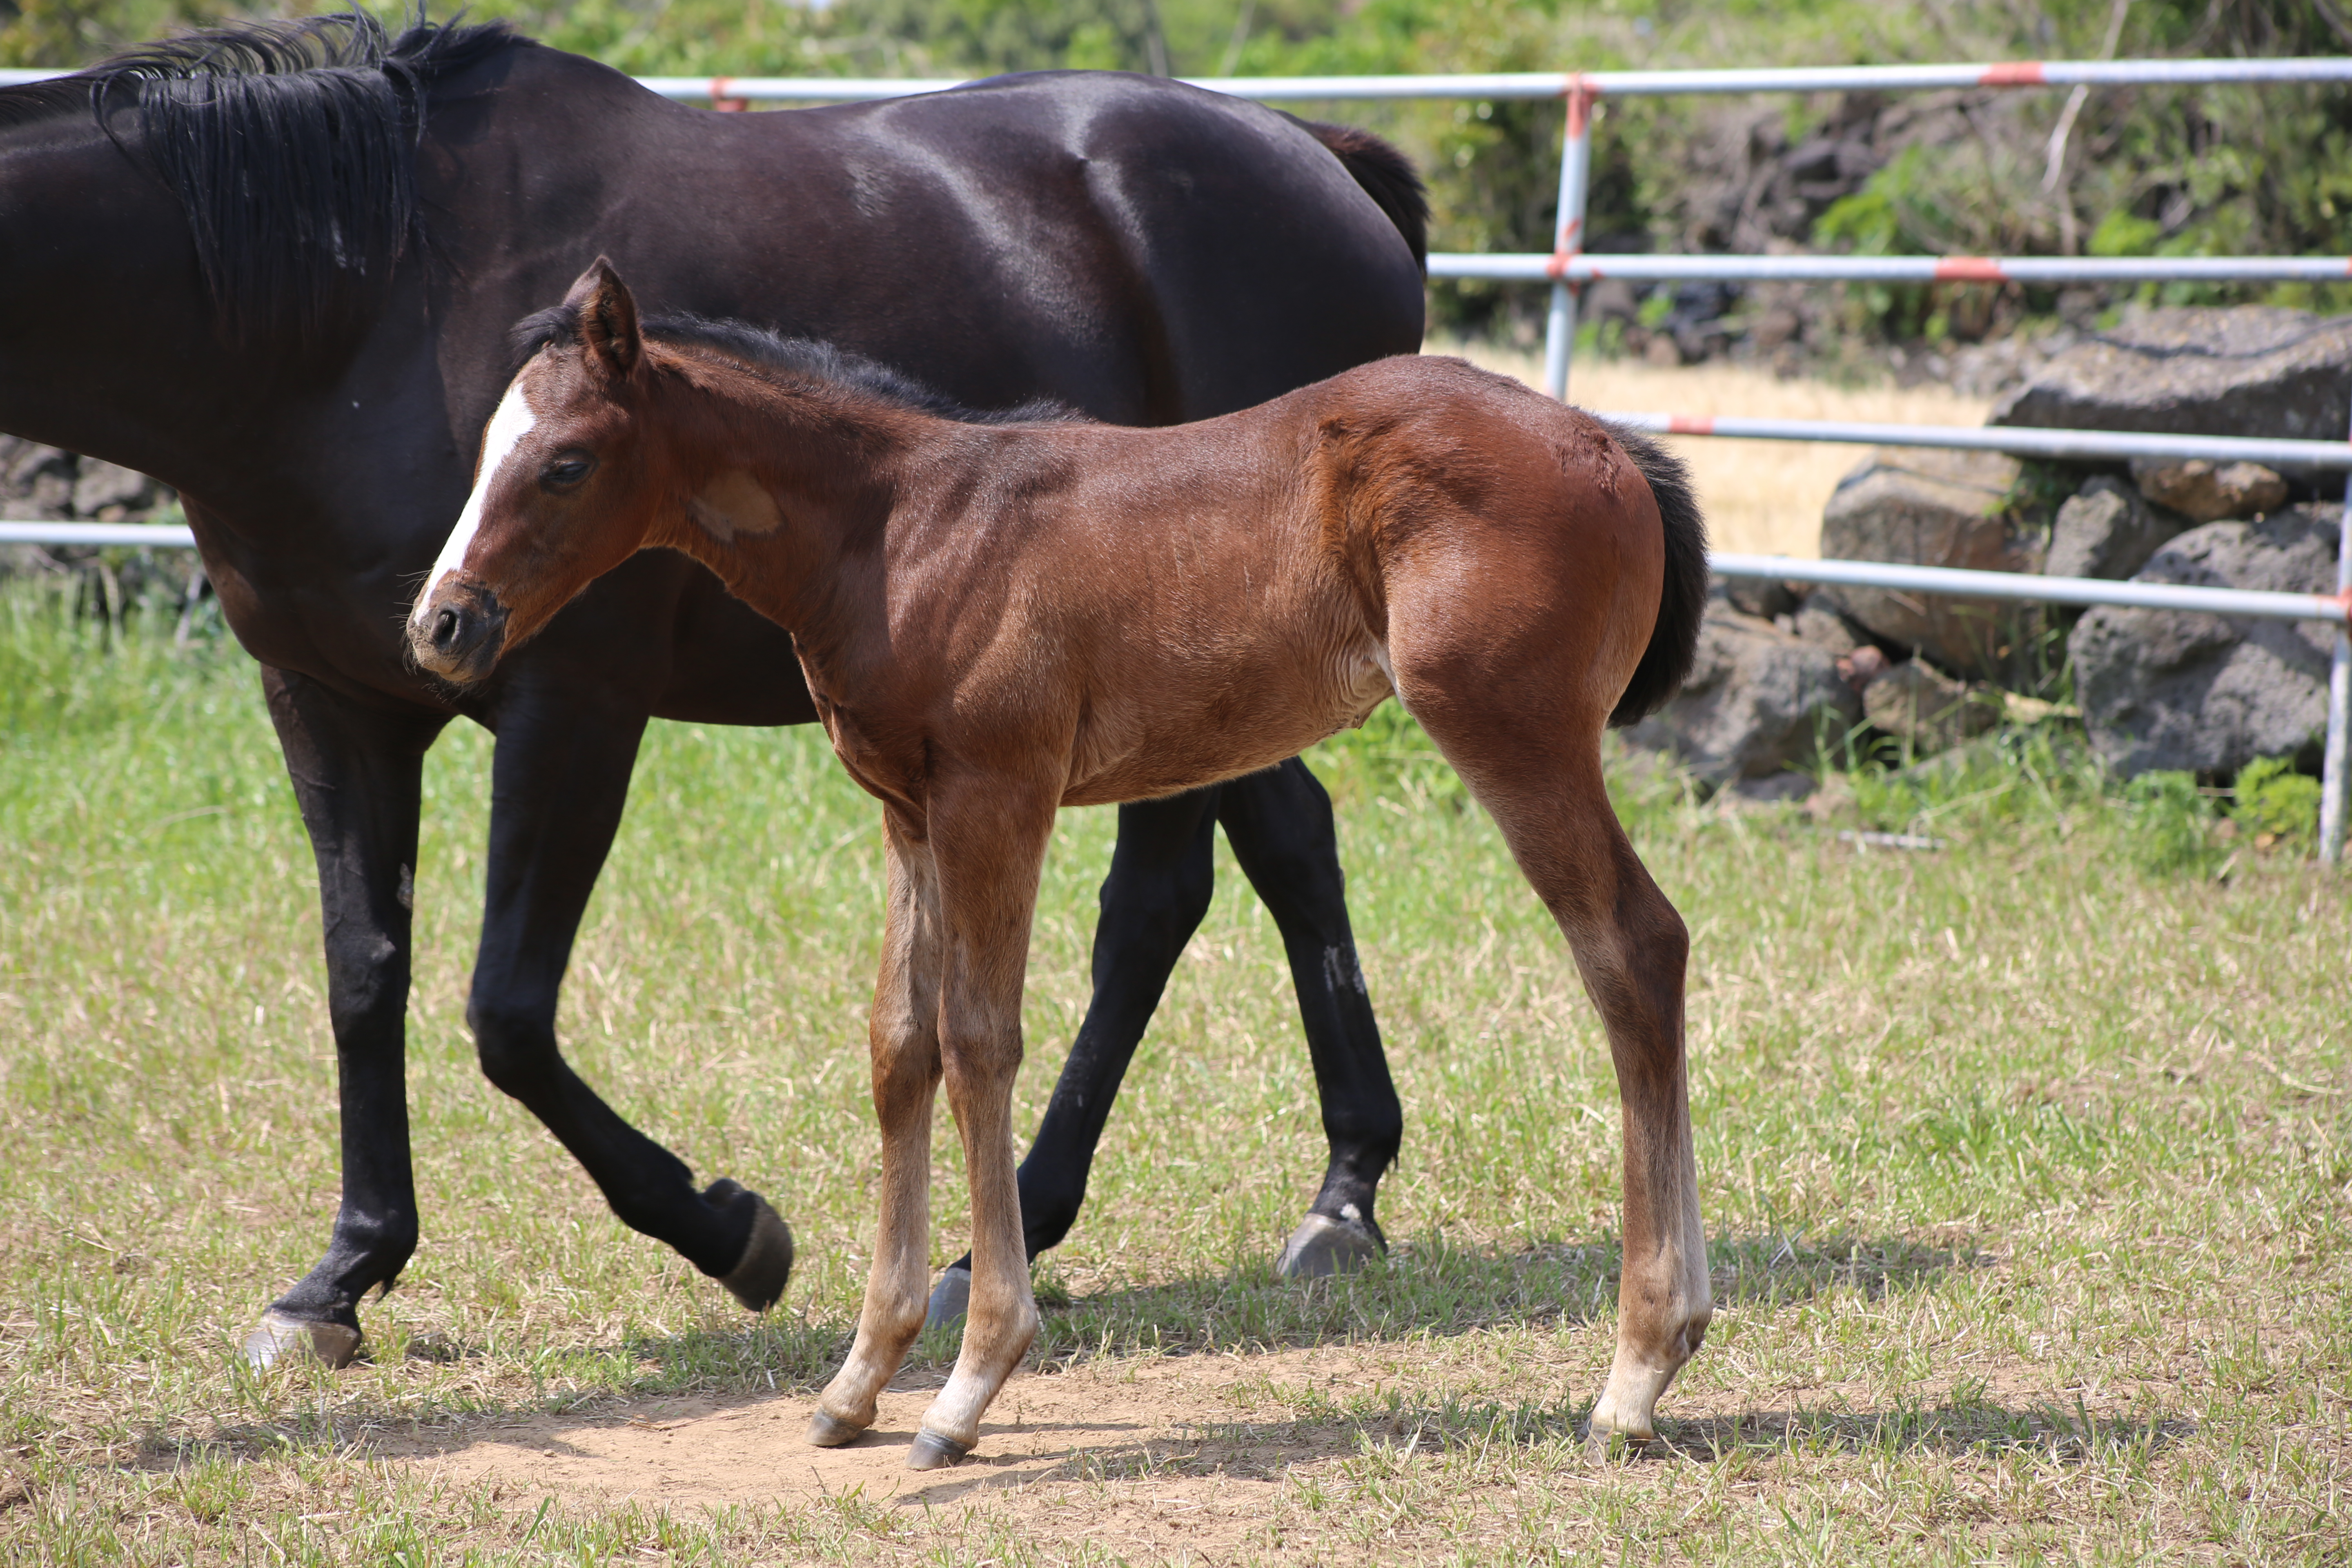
1575,159
2338,760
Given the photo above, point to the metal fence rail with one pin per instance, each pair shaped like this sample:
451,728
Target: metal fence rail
1568,268
2017,441
1954,582
139,536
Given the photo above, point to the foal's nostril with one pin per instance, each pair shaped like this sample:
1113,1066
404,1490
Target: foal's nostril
446,627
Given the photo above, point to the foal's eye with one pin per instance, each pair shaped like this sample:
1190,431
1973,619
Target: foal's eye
565,469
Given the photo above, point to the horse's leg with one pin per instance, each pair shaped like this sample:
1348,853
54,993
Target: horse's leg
1279,824
357,773
988,840
904,1039
560,778
1537,771
1161,874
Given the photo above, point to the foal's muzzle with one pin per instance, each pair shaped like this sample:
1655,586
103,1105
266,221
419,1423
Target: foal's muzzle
460,634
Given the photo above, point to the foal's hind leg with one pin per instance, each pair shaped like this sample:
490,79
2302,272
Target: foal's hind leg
905,1044
1544,786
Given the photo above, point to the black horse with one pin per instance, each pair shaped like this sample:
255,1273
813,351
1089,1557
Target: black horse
273,266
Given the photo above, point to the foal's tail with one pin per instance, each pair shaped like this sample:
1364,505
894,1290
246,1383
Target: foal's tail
1673,641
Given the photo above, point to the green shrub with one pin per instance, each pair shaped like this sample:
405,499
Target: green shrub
2169,822
2271,798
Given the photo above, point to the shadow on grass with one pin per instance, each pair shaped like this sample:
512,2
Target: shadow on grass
1428,1288
1435,1288
1383,1432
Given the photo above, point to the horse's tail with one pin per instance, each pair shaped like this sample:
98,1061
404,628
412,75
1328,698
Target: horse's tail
1682,602
1387,176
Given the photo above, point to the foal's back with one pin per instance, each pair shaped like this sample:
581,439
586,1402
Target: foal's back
1212,598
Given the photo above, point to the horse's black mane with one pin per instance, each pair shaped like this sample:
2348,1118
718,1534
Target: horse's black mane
774,356
292,145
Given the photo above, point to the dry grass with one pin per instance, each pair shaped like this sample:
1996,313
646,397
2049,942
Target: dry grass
1760,496
2027,1174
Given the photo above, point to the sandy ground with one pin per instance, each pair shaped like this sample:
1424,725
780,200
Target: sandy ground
1117,1419
1185,1456
1762,496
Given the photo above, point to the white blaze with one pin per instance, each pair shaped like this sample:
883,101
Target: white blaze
509,425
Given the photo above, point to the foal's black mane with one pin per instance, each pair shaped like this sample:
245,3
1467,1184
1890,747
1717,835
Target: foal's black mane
776,358
292,146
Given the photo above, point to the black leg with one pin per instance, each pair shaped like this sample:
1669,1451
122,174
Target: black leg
357,772
559,779
1161,874
1279,824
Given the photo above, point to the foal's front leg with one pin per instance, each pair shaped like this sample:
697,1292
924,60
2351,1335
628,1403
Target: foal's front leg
905,1044
988,841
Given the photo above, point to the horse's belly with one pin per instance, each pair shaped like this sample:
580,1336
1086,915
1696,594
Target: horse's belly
1144,750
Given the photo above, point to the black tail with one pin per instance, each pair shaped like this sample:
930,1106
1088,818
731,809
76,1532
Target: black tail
1387,176
1673,641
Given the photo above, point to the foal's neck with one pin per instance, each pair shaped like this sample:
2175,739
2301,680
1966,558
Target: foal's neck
789,486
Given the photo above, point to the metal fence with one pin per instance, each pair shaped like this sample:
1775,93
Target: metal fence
1568,268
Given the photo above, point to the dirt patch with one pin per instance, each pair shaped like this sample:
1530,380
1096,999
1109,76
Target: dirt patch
1173,1420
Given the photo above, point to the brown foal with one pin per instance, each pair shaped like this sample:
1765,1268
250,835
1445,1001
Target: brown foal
1000,619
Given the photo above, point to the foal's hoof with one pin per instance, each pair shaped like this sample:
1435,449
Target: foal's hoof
950,1298
760,1275
930,1451
278,1336
1322,1245
830,1431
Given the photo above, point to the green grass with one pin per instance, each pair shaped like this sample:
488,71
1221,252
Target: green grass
2026,1162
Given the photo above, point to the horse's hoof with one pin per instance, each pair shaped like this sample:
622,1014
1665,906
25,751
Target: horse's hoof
830,1431
279,1335
1322,1245
950,1299
760,1275
932,1452
1603,1447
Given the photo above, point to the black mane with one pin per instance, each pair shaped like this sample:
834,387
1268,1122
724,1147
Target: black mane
290,145
773,356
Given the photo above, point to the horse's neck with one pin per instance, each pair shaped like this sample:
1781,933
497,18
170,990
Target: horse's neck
789,491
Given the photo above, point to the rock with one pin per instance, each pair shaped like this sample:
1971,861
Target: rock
2249,370
1863,666
1610,298
1819,622
1774,789
1774,327
1928,508
1759,597
2207,492
1932,712
2167,688
2107,530
1752,706
36,481
102,487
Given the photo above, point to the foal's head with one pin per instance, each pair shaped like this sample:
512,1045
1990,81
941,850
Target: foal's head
568,486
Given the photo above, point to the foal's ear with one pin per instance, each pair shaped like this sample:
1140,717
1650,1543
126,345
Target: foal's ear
608,317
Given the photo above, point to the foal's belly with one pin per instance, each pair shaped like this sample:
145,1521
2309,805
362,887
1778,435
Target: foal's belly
1226,719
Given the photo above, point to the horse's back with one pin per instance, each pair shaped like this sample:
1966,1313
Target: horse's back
1146,252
